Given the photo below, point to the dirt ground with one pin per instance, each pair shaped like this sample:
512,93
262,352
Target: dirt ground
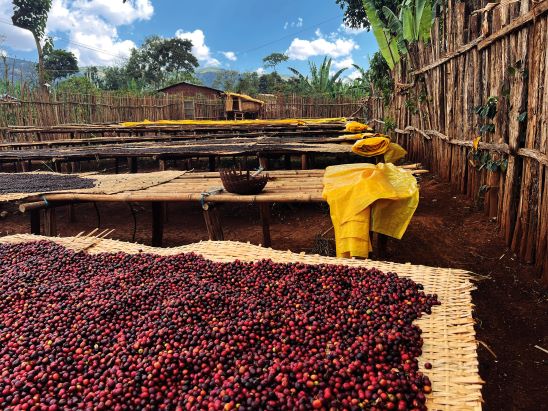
511,307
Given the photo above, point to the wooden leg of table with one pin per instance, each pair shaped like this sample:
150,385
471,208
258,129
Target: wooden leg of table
213,222
50,223
211,160
116,165
304,162
287,162
263,162
157,223
162,164
132,164
35,222
264,210
71,213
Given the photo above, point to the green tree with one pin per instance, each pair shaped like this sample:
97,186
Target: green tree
159,58
274,59
320,81
32,15
227,80
114,78
249,83
397,34
77,85
354,11
59,64
273,83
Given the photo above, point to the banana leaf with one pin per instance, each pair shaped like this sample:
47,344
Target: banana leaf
396,28
387,43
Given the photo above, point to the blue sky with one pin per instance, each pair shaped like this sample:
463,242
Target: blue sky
233,34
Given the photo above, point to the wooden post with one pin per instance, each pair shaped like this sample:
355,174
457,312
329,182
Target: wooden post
35,222
50,223
211,160
213,223
157,223
132,164
304,162
71,213
264,210
287,162
162,164
263,162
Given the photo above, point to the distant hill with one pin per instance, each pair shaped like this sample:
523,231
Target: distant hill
208,75
18,69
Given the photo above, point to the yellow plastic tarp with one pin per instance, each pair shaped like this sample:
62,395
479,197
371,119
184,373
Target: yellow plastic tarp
245,97
377,146
368,197
356,127
297,121
359,136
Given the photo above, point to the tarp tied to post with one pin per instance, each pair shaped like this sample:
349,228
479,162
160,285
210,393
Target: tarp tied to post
377,146
368,197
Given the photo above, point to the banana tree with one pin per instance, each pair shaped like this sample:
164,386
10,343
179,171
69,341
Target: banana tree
320,81
411,25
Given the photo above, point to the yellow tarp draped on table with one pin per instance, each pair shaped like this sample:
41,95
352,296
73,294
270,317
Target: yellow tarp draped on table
368,197
286,121
377,146
245,97
359,136
356,127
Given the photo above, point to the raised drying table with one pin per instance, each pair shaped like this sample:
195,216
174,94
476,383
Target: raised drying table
293,186
261,147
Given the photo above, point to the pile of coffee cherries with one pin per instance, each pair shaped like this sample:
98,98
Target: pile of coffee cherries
149,332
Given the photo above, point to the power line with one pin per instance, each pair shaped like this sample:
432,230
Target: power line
291,34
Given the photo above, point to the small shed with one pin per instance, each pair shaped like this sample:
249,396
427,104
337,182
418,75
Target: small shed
240,106
192,90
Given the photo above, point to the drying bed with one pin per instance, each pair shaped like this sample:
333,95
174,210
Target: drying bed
267,335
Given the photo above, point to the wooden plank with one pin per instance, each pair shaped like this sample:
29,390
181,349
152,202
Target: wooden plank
35,222
522,20
213,222
50,222
264,210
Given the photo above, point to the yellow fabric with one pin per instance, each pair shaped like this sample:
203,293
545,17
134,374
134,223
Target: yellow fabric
371,147
394,153
298,121
245,97
368,197
356,127
359,136
376,146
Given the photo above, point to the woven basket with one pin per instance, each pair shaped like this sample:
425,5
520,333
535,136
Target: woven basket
238,182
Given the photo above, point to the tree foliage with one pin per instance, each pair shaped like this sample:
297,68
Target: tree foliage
159,59
59,64
354,12
320,80
77,85
274,59
32,15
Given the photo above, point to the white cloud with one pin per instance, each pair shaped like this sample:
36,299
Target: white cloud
349,30
294,24
304,49
90,27
354,75
344,63
260,71
230,55
199,48
14,37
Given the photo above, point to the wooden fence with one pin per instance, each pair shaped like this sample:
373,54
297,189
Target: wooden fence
480,51
32,108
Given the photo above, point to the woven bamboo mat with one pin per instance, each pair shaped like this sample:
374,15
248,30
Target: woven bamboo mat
107,183
448,333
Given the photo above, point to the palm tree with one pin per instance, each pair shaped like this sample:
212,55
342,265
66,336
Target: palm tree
320,81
